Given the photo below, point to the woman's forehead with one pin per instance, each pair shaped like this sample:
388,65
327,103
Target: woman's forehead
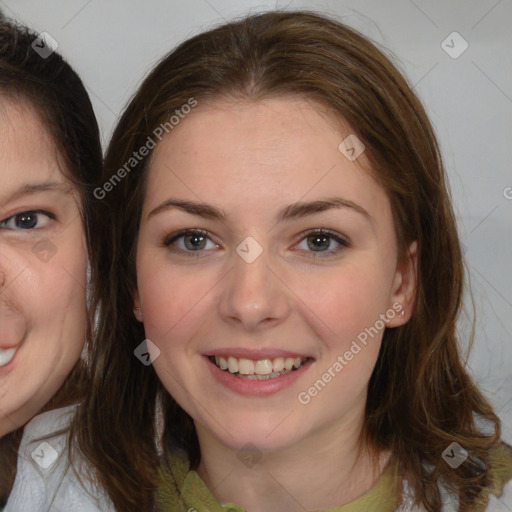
28,155
266,153
271,136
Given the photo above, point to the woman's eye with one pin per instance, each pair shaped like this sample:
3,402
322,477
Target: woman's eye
34,219
317,242
188,241
321,241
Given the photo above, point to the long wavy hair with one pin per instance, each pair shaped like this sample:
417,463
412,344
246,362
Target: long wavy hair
53,90
421,397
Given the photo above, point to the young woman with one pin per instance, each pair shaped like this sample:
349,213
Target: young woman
50,160
285,255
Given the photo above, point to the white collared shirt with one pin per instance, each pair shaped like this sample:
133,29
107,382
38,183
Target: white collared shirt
45,480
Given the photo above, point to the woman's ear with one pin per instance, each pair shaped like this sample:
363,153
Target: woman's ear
137,306
403,291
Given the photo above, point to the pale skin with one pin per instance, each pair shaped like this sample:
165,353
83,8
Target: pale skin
252,159
42,295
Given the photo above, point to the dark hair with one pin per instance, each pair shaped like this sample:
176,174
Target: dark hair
53,90
420,400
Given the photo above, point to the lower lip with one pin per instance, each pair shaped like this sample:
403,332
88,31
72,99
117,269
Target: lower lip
256,387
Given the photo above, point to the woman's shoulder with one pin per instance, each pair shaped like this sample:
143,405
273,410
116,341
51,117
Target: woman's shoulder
45,478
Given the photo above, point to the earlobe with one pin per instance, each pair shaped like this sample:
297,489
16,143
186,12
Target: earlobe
137,306
404,287
138,313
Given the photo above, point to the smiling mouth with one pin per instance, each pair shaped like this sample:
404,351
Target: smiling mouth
262,369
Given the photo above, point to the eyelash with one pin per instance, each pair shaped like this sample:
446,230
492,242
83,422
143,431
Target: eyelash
26,213
344,243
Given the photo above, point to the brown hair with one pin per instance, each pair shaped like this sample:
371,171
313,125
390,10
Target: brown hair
57,95
420,400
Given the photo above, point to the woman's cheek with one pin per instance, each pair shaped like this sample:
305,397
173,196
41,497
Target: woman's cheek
341,298
167,292
68,275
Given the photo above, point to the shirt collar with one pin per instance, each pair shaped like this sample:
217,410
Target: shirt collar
184,487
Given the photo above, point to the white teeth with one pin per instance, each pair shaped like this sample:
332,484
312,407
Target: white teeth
278,365
245,366
221,362
262,367
7,355
232,364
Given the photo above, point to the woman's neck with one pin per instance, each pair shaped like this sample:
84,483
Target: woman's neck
325,470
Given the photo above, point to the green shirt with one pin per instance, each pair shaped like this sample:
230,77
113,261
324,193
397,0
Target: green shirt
183,490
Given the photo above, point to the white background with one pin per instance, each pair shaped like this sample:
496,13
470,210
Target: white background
112,44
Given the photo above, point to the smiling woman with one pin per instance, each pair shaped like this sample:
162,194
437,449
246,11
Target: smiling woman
300,208
50,159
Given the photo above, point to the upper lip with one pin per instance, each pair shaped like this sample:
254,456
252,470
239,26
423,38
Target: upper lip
5,347
12,333
254,354
10,340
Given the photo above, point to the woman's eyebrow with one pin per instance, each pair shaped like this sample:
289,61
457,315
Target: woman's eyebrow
34,188
301,209
292,211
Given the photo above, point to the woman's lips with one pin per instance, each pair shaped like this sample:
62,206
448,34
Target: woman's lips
12,335
12,330
256,377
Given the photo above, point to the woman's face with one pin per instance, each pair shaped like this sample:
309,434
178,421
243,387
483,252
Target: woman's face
259,288
43,264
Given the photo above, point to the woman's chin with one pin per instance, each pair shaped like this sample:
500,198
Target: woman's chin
252,434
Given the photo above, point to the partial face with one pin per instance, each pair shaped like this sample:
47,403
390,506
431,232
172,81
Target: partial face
43,263
255,298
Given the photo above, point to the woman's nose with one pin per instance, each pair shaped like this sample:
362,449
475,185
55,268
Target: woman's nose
253,295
